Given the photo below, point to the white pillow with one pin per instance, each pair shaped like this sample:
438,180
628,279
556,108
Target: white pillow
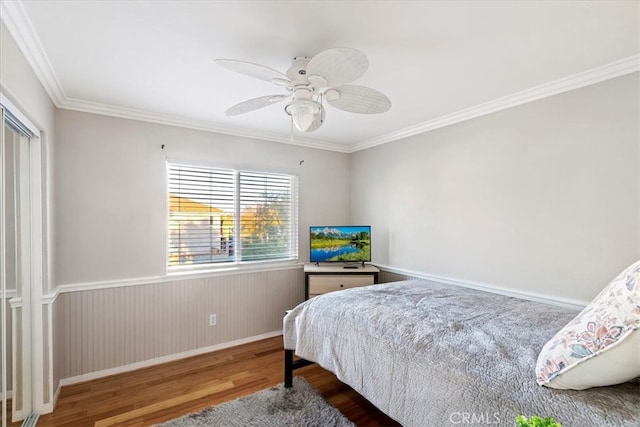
600,346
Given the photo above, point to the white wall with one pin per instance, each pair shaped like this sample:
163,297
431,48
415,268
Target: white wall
111,190
540,198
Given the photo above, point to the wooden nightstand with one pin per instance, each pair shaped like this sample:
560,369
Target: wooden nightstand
328,278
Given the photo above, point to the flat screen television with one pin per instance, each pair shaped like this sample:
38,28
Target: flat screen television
340,243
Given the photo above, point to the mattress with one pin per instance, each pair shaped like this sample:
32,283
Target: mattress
430,354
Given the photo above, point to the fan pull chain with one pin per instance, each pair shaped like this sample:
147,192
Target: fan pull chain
291,140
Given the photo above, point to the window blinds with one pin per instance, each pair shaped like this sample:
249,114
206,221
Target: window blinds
209,208
266,216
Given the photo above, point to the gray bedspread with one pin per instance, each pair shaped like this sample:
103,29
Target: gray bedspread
429,354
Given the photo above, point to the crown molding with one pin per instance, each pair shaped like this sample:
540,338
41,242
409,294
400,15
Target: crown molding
203,125
595,75
20,27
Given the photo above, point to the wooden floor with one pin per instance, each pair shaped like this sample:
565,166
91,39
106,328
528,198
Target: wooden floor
152,395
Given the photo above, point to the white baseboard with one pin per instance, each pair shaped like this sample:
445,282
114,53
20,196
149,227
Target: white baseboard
17,416
160,360
47,408
531,296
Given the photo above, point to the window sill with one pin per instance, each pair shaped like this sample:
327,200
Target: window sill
255,267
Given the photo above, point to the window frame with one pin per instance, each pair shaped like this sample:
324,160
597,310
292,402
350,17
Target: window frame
237,263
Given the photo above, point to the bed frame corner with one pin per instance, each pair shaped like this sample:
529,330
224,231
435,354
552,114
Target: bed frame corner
290,365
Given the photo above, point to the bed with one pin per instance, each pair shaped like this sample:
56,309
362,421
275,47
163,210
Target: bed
430,354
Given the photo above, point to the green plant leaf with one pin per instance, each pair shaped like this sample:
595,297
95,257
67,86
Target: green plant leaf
536,421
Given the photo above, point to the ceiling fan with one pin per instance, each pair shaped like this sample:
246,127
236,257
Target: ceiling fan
311,81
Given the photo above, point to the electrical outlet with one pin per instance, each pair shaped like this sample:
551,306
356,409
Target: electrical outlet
213,320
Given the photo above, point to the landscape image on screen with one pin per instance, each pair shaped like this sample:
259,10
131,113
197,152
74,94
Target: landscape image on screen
340,244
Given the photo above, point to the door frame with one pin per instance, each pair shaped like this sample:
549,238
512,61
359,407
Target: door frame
32,361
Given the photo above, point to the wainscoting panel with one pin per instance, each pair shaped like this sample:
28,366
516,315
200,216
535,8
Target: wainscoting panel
113,327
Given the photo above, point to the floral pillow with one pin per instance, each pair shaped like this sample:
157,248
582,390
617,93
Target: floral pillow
600,346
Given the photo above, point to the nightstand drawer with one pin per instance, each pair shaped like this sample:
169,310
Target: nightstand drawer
323,283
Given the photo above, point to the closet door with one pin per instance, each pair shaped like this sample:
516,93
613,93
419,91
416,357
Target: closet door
16,288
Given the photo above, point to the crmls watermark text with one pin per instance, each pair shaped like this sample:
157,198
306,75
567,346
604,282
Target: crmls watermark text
472,418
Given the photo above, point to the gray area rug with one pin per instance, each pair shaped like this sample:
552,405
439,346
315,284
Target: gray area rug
300,405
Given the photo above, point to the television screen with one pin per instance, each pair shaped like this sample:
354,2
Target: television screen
347,243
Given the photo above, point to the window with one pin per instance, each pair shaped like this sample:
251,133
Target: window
210,208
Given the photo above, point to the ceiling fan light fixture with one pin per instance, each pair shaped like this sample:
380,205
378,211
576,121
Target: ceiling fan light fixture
303,112
312,82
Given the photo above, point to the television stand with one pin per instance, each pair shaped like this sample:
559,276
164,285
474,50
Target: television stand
328,278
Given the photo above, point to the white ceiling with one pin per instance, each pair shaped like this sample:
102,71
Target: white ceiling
438,62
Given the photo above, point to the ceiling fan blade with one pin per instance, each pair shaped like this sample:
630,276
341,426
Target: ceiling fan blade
254,104
254,70
358,99
338,66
